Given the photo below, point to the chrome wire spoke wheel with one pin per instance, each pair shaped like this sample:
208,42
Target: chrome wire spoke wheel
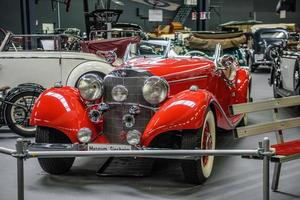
208,142
21,111
199,170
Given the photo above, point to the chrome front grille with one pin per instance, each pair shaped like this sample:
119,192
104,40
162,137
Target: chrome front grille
114,129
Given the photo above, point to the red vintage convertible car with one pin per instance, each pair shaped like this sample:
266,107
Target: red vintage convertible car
151,102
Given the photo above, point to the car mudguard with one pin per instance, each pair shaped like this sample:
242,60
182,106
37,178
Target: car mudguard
64,110
184,111
243,86
24,87
101,68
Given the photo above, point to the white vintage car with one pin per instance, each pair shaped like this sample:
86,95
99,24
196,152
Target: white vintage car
44,60
30,61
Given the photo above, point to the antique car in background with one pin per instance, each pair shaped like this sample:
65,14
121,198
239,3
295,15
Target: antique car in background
285,76
259,42
203,43
151,102
16,105
290,27
29,63
235,26
40,59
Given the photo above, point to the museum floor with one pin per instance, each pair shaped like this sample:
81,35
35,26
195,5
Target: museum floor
233,178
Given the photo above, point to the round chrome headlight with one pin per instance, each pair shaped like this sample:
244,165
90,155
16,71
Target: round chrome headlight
119,93
155,90
84,135
90,87
133,137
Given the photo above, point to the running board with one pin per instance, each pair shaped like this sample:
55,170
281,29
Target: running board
284,93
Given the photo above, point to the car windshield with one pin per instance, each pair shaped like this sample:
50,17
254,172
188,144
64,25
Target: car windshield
37,43
231,51
273,35
149,48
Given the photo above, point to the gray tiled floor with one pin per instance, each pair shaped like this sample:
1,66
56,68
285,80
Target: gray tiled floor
234,178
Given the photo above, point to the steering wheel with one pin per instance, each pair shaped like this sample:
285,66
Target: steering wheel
148,50
196,53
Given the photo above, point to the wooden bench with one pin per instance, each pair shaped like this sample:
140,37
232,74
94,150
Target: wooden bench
284,150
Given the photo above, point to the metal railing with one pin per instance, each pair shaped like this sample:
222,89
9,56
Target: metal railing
22,152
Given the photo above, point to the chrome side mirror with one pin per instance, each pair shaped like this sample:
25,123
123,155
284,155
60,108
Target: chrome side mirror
84,35
228,64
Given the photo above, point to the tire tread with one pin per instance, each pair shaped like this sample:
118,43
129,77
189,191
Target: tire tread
53,165
191,168
9,120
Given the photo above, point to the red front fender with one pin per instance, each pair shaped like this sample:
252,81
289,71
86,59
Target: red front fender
243,86
62,109
185,110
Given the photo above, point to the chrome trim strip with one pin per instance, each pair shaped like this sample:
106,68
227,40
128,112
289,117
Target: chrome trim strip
133,104
11,57
188,79
37,35
224,114
35,57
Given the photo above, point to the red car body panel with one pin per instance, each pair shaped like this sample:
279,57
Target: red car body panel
118,44
62,109
182,73
186,110
183,109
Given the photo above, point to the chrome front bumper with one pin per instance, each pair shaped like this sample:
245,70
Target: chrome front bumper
81,150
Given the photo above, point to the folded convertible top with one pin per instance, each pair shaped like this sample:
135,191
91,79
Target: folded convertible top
202,41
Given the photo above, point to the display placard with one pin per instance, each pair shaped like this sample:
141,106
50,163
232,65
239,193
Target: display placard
48,28
194,16
155,15
190,2
282,14
204,15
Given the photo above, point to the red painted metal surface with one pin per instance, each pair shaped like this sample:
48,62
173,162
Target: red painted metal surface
118,44
183,109
186,110
287,148
182,73
64,110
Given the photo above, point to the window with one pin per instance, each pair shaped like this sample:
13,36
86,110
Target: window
33,43
273,35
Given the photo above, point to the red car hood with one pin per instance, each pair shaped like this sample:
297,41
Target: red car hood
173,68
